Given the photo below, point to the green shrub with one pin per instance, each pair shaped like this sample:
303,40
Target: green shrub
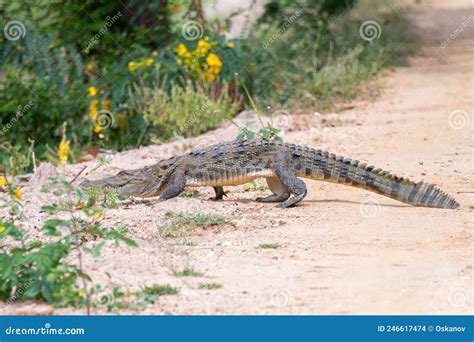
50,268
37,99
305,53
102,30
188,110
52,88
315,54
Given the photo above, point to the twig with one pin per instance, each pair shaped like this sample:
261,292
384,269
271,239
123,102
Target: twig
75,177
84,280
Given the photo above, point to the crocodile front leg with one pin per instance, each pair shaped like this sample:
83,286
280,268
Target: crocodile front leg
176,184
285,173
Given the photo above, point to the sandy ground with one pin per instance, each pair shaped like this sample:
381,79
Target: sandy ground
343,250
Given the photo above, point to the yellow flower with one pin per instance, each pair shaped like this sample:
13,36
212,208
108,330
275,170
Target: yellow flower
106,104
148,62
214,67
2,228
63,150
213,61
179,61
18,193
92,91
97,129
93,109
181,50
204,43
230,45
154,53
121,121
3,181
132,66
202,47
99,214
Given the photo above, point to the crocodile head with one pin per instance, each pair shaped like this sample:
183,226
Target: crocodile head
128,183
144,182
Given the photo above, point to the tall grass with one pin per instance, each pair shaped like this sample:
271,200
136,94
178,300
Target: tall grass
318,64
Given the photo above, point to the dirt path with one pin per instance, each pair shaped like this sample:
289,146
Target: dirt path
343,250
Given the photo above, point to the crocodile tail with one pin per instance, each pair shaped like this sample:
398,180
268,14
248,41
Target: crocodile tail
351,172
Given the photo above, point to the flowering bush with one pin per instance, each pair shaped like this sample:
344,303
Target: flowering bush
143,63
201,63
102,93
188,110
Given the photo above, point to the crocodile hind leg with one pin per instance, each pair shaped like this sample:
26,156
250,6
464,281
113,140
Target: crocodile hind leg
287,177
176,184
280,193
219,193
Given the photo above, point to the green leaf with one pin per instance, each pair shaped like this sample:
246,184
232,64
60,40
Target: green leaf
33,245
47,291
79,196
117,237
50,209
97,249
240,136
264,133
275,130
9,229
52,276
6,266
50,227
129,242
